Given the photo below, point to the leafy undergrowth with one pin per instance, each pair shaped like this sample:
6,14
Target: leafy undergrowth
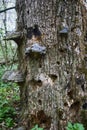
37,128
76,126
9,101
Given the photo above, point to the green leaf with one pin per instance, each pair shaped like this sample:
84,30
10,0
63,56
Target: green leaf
36,128
9,122
78,126
40,128
70,125
67,128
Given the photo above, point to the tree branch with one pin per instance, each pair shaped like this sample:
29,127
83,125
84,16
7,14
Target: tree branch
1,11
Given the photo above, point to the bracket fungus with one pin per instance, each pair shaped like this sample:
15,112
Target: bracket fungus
64,31
13,76
15,36
36,49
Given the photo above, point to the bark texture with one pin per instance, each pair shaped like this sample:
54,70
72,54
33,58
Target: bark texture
54,91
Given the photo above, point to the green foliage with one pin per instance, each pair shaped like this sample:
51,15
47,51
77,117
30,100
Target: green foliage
6,115
36,128
76,126
7,111
9,93
9,122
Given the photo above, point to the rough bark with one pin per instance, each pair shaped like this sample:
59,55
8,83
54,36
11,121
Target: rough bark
54,89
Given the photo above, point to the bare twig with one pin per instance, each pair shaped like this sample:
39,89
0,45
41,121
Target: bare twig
4,10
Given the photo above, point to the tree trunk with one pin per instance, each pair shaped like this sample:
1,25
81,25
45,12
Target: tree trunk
52,57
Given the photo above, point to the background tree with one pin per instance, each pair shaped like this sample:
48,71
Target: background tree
7,18
52,42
